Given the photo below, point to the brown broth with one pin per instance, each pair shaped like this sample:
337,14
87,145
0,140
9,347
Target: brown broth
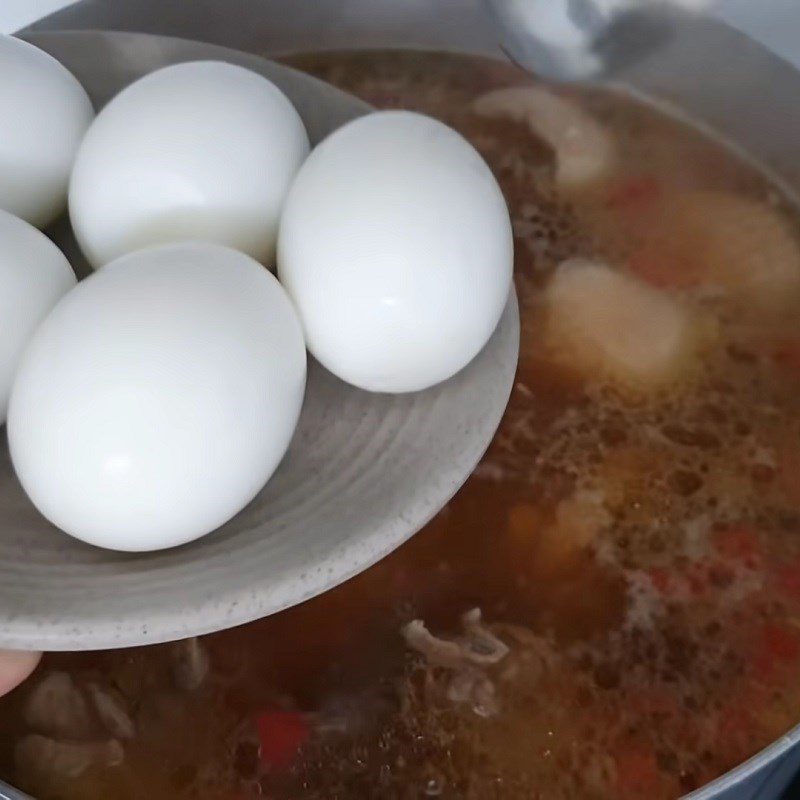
638,553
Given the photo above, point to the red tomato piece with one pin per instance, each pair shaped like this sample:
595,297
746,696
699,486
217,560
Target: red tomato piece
638,775
654,702
741,544
789,470
788,578
780,642
663,270
281,734
698,579
633,192
776,647
786,353
662,580
736,726
704,575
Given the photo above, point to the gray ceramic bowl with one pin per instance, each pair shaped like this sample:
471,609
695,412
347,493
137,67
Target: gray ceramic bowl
363,474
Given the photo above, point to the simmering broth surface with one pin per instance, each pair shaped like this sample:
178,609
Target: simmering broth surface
634,550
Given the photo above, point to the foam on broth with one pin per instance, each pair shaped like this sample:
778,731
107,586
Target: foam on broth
637,552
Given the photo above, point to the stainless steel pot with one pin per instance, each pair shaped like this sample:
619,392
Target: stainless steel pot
706,70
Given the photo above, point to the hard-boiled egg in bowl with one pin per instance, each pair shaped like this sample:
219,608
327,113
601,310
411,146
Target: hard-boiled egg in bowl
168,398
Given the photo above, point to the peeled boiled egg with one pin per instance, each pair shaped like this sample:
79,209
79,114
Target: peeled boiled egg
158,397
396,246
45,113
203,150
34,274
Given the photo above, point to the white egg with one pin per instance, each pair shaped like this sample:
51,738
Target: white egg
45,113
158,397
203,150
396,246
34,274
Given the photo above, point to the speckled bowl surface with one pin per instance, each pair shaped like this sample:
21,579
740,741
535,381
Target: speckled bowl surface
363,474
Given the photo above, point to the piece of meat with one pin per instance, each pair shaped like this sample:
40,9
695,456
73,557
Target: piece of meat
584,150
111,712
579,518
58,708
482,647
609,325
467,658
720,241
42,760
190,664
438,652
477,646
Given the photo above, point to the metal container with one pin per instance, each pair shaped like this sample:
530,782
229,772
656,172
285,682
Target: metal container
717,76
